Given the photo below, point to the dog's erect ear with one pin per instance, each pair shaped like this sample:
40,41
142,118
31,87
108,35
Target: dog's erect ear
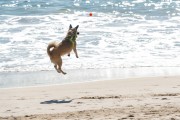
77,27
70,26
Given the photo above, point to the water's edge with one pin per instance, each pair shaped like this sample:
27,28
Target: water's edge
41,78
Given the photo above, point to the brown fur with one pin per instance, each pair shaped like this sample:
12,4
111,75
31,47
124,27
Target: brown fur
55,50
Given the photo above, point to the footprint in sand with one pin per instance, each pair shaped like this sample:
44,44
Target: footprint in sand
166,94
131,116
164,99
101,97
79,102
21,99
8,110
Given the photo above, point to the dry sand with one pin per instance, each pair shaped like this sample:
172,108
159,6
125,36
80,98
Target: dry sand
154,98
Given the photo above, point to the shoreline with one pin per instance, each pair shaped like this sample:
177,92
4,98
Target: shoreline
136,98
49,78
86,82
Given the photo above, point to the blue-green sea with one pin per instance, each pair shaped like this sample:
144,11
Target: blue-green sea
119,34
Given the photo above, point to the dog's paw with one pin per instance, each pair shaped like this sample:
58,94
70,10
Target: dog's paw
64,73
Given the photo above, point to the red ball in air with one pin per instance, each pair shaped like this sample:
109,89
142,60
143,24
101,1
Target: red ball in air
90,14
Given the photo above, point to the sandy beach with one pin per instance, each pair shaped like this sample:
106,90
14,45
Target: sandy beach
153,98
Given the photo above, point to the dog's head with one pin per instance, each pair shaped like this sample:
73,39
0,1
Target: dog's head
73,31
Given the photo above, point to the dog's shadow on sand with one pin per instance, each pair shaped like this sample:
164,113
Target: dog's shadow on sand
56,101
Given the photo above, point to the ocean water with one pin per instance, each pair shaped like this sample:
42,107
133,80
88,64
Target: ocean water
119,34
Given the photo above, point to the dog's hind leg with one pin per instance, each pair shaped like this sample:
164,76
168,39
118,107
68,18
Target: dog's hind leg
60,65
55,66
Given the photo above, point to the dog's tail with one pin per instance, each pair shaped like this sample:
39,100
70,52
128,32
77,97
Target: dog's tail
51,45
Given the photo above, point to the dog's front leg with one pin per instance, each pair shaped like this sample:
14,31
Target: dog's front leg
75,51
